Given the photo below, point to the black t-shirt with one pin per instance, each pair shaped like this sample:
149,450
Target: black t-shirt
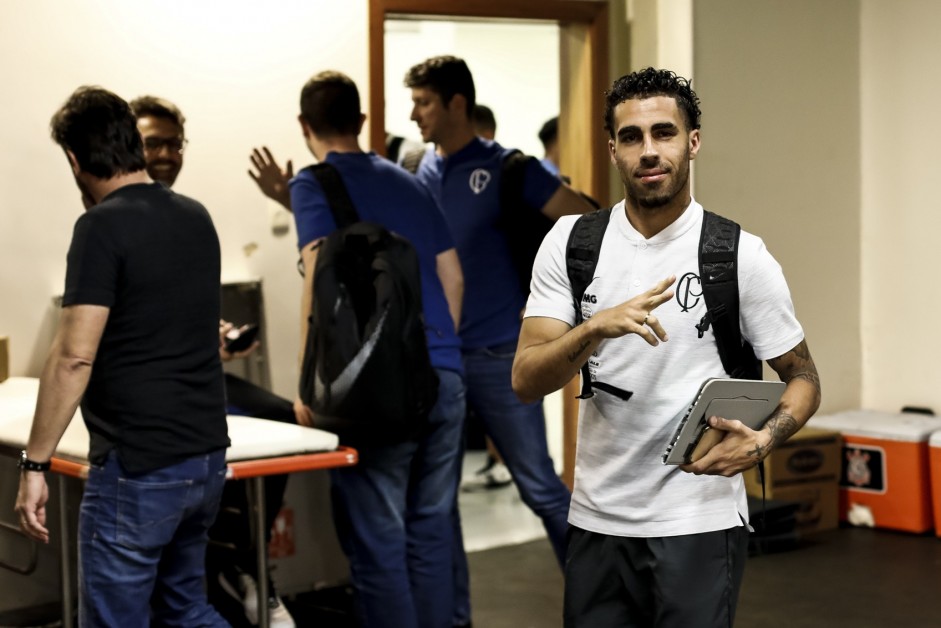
157,390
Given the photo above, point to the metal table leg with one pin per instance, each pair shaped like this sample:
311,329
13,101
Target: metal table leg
65,570
261,550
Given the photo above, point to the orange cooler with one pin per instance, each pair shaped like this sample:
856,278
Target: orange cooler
886,477
934,455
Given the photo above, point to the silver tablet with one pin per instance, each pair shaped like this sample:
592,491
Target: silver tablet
749,401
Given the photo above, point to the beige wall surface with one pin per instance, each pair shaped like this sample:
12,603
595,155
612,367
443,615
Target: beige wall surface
901,217
779,82
236,74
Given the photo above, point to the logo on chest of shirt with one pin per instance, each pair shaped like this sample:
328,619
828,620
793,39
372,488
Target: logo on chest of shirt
688,291
478,180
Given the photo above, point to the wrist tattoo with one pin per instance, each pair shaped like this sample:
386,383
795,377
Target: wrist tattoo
581,349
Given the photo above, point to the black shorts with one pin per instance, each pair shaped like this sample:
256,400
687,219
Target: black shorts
689,581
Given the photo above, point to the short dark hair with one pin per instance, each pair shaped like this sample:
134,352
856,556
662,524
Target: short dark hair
647,83
549,132
157,108
97,126
484,118
330,104
446,76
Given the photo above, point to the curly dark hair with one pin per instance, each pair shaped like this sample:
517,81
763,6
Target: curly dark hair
446,76
97,126
651,82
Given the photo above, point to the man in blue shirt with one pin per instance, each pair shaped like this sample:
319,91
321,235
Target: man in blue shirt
392,510
463,172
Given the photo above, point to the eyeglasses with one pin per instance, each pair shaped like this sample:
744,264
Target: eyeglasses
173,144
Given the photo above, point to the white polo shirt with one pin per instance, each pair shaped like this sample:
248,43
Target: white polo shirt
621,486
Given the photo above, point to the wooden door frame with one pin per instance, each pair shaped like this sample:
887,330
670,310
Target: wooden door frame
583,63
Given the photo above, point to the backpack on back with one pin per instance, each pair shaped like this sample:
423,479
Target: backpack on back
525,226
718,274
366,371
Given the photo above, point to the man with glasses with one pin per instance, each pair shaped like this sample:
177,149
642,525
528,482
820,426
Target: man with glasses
160,123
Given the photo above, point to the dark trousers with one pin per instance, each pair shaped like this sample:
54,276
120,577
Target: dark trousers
232,528
689,581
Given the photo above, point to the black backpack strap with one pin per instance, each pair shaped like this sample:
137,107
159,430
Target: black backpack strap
344,214
718,275
412,160
393,146
581,258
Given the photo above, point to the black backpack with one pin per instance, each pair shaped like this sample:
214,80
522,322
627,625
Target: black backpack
366,371
718,273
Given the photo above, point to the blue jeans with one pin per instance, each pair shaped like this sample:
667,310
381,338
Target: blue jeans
393,518
518,431
142,543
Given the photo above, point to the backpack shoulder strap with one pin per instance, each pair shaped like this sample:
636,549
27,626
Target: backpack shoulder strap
718,275
344,214
393,146
581,258
412,160
512,176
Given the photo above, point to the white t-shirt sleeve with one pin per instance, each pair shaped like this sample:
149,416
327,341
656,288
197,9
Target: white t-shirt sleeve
550,291
766,311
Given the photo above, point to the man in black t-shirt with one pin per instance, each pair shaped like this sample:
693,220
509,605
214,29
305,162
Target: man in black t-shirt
137,345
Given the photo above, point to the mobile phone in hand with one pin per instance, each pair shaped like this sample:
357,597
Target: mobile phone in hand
240,339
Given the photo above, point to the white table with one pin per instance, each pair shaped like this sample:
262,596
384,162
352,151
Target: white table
259,448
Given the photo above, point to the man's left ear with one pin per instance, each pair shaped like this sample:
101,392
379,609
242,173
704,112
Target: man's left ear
362,121
73,161
694,140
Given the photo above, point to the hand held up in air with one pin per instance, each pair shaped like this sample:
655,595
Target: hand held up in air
271,180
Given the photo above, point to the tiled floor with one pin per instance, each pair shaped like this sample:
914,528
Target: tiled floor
494,517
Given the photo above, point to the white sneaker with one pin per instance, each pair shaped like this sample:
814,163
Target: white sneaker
247,594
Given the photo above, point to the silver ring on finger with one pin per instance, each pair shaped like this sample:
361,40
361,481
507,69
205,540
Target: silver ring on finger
646,316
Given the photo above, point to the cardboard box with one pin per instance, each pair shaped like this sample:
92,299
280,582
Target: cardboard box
4,358
934,460
885,478
806,470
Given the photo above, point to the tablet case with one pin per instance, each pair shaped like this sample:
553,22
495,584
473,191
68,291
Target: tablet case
749,401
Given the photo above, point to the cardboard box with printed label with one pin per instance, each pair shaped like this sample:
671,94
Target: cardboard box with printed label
885,478
806,470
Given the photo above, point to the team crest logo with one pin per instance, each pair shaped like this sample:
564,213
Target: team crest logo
857,468
478,180
688,291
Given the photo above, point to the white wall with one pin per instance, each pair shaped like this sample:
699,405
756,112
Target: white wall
235,69
901,215
779,83
515,67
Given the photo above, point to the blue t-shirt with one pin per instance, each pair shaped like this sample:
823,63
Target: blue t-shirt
386,194
467,186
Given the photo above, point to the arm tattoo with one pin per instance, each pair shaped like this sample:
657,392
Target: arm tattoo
581,348
782,425
797,364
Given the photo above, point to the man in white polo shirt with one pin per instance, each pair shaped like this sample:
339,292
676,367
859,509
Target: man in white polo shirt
656,545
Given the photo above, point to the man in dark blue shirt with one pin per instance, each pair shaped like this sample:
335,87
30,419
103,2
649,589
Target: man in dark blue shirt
392,510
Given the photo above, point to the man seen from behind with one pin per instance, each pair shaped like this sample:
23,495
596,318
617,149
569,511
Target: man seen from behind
137,346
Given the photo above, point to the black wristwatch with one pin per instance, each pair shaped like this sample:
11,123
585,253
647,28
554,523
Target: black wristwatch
31,465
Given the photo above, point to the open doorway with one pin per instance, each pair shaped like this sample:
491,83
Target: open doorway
583,77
